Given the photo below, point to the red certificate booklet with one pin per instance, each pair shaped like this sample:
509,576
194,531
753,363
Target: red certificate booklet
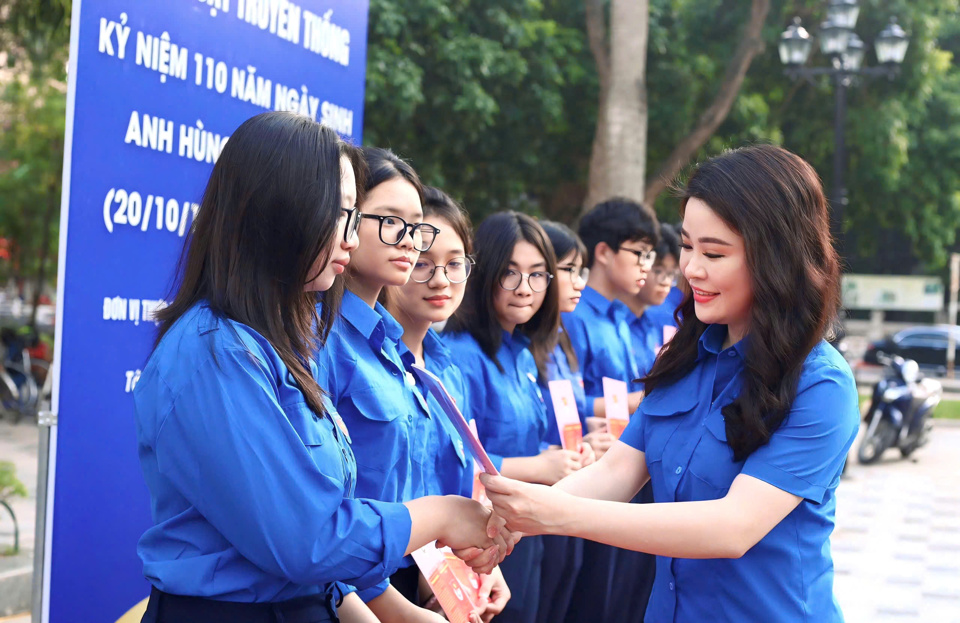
615,400
435,387
565,410
455,585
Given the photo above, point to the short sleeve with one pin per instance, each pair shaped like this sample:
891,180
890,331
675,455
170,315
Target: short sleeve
633,434
805,455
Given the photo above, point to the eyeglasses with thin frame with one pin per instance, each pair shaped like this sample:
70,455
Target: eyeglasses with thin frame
661,274
537,280
352,224
644,258
393,229
456,270
576,274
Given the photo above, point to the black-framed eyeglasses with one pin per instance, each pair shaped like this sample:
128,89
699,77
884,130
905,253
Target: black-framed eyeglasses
661,274
576,274
456,270
393,229
538,280
644,258
352,224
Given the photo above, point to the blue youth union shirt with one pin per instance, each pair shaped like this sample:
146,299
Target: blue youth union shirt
250,490
646,338
507,405
600,333
788,575
362,368
559,369
452,469
663,314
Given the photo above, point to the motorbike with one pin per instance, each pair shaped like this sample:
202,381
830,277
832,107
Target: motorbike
900,410
19,391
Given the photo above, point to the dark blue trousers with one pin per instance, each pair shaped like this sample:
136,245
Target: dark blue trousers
614,584
521,570
562,559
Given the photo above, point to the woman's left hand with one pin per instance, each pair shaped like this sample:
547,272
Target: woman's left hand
494,595
527,508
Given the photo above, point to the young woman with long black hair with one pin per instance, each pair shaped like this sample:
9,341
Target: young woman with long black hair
501,337
748,416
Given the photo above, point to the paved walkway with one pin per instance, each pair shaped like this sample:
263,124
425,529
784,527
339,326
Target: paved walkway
896,547
897,543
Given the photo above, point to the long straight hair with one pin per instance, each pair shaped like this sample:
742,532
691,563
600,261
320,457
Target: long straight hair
565,242
774,200
493,243
270,209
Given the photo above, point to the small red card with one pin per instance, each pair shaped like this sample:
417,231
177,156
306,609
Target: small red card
455,585
615,401
565,410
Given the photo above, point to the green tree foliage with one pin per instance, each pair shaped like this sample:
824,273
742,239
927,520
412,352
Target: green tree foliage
34,35
492,100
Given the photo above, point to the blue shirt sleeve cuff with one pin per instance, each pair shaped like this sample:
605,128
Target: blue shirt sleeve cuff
369,594
396,535
784,481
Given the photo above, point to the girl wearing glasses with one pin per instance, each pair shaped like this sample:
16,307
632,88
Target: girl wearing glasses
364,363
748,417
432,295
647,329
502,337
249,467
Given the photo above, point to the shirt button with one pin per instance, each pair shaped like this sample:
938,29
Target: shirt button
679,469
732,354
671,586
409,418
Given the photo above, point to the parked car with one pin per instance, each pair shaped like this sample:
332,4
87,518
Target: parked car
926,344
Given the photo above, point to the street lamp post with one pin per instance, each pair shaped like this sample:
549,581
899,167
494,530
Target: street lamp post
845,52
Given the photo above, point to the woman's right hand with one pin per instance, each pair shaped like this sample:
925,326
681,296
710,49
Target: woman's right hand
556,464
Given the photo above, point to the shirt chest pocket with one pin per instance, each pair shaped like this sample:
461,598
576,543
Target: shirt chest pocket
666,416
381,425
712,462
332,458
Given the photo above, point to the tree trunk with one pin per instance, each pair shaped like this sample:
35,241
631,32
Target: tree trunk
751,44
619,155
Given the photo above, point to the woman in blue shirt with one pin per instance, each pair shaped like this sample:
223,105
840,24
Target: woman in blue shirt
364,363
748,417
434,292
249,468
501,338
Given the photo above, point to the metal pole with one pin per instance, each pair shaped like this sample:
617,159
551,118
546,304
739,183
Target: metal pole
839,199
952,313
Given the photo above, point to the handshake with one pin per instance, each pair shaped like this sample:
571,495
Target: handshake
475,533
482,537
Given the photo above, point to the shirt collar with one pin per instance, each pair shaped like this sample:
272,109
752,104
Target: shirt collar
711,342
436,350
359,315
595,300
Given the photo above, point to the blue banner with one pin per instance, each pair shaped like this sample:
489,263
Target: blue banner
156,88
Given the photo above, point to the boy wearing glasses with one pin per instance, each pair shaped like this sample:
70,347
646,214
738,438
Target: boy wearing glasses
651,308
620,236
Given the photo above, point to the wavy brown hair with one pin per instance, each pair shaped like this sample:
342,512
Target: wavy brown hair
270,209
775,201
